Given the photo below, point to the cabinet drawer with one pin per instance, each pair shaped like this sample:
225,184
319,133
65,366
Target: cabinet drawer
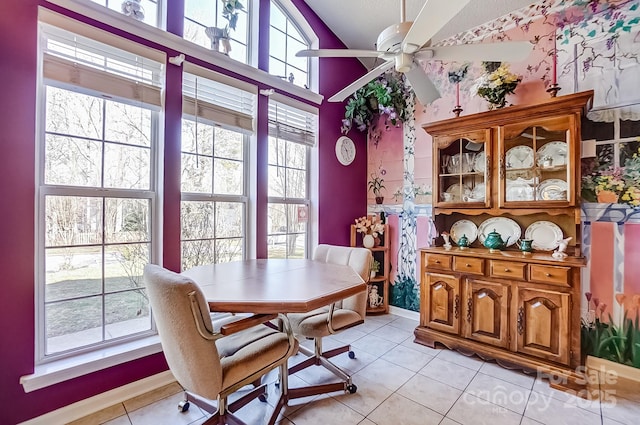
437,261
468,265
508,269
549,274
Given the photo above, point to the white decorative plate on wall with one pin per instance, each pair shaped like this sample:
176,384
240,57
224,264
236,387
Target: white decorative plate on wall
520,157
509,230
466,228
545,235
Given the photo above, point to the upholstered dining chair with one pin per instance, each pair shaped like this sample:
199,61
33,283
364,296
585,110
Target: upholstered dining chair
334,318
209,364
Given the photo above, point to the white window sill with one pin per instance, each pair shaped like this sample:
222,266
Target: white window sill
84,364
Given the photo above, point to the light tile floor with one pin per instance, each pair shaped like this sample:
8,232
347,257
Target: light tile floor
399,382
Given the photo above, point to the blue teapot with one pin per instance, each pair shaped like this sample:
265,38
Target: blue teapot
494,241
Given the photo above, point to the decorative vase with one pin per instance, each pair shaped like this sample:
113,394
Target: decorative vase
607,197
219,38
379,199
368,241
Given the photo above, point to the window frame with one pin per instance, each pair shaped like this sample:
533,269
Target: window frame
43,190
310,169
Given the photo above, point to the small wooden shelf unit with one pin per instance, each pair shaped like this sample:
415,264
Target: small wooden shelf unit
381,280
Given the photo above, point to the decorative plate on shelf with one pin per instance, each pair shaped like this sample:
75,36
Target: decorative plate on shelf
457,191
477,194
509,230
518,190
466,228
553,190
479,162
520,157
556,152
545,235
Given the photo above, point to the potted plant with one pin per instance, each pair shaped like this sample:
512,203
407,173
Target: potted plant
386,95
375,268
376,184
220,36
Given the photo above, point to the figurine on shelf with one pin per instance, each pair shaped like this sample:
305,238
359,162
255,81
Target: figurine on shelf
375,300
447,243
560,253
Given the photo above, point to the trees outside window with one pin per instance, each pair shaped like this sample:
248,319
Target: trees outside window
96,194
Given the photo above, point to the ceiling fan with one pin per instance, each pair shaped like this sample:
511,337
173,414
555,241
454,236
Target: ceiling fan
403,45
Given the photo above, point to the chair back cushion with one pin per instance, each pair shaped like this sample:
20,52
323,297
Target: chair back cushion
192,358
359,259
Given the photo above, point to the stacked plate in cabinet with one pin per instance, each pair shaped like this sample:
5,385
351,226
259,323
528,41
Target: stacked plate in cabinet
553,154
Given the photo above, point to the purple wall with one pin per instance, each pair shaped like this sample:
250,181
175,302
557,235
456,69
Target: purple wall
342,198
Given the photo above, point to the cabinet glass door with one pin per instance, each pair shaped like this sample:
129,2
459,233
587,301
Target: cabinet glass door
536,165
462,175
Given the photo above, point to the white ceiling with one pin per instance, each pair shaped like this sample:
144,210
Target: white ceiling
358,22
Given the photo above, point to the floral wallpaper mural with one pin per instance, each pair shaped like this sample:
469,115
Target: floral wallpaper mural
597,46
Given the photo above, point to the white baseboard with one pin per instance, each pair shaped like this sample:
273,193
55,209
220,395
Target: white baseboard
413,315
98,402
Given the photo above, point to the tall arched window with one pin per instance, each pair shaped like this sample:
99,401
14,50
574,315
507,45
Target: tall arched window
204,21
285,39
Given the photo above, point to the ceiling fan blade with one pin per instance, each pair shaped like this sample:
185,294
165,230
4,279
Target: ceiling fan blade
507,51
360,82
340,53
434,15
423,87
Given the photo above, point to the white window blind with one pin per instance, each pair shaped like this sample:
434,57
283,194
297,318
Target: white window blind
74,60
293,124
228,106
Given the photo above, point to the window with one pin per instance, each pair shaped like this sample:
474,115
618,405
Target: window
202,17
147,11
97,192
616,141
285,39
217,119
291,137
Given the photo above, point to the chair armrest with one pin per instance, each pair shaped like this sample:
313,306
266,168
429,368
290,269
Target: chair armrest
246,323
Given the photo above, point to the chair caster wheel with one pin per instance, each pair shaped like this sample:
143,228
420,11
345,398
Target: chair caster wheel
183,406
351,389
352,355
263,397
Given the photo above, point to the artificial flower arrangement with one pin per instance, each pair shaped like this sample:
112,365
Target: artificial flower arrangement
496,83
613,185
386,95
369,225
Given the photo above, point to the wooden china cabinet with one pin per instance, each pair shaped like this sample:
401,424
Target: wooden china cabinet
516,171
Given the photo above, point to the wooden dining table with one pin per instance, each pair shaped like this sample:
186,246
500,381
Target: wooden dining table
275,285
270,286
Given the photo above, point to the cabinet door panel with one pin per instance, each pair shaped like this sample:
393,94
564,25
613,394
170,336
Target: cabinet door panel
486,312
542,324
441,296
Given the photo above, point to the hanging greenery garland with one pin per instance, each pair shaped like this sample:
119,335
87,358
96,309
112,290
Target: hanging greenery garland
384,96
